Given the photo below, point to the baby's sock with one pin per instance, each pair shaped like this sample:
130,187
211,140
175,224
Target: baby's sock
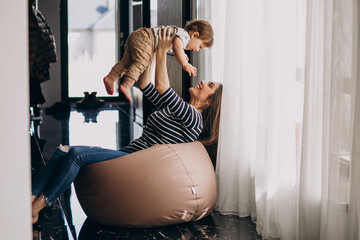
125,88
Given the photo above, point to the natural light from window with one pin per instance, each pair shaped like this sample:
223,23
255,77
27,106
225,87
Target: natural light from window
91,39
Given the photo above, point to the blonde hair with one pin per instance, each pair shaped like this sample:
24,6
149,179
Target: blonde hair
206,32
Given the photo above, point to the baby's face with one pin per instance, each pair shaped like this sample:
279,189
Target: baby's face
195,44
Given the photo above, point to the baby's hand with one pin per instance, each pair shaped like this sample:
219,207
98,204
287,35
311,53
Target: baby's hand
186,57
190,69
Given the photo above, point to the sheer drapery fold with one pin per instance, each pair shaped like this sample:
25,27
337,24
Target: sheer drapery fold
330,79
353,218
289,141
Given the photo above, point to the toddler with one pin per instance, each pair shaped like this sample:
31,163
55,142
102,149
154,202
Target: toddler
141,45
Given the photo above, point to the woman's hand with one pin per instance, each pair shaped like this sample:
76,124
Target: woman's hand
145,77
165,39
161,76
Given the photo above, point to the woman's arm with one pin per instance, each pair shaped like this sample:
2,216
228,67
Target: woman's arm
161,75
189,116
145,77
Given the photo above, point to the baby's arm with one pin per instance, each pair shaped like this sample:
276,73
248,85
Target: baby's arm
181,56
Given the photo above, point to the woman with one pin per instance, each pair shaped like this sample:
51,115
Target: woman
175,122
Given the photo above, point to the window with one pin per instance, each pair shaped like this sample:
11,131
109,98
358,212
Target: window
91,42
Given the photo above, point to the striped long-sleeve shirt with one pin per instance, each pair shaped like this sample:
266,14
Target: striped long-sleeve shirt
175,121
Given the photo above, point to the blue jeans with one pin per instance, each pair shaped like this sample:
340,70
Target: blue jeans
63,167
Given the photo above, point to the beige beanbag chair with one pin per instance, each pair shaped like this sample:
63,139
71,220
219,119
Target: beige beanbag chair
165,184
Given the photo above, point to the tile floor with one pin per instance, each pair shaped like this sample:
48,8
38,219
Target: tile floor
112,126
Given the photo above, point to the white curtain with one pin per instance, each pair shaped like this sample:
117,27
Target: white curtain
289,141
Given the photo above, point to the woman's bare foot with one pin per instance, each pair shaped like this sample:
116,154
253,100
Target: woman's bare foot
109,84
35,217
37,206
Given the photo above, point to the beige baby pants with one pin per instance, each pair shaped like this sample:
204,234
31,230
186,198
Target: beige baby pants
139,47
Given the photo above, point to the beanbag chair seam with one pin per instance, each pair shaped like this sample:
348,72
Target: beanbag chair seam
187,173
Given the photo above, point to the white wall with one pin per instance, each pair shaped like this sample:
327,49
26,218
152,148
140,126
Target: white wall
52,88
15,211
